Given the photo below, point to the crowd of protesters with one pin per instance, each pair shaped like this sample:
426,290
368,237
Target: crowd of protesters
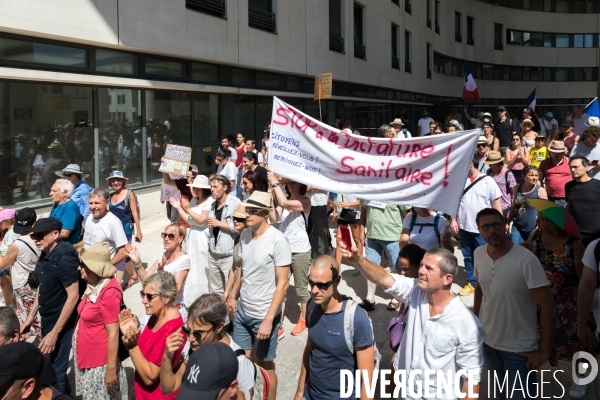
214,298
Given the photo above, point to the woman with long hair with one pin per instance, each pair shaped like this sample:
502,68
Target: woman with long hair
195,212
250,182
523,216
493,142
517,158
240,148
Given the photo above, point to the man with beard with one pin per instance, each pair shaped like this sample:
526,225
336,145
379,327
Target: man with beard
511,283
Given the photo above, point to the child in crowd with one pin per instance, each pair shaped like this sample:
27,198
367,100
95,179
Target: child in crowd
539,152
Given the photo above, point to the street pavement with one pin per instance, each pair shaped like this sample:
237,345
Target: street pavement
290,348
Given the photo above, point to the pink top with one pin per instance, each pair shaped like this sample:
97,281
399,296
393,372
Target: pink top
92,340
240,154
556,176
152,346
517,165
570,142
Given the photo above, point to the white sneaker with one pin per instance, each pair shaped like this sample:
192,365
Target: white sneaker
577,391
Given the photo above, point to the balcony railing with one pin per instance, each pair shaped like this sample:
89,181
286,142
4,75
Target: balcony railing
471,41
261,19
458,37
336,43
407,6
360,51
437,27
212,7
407,67
395,63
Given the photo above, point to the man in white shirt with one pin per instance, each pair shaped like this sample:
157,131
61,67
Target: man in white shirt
481,191
251,146
586,292
266,256
401,132
511,286
549,125
423,124
579,119
226,144
441,334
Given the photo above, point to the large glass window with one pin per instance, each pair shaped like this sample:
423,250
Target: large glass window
269,81
116,62
562,40
264,110
202,72
167,122
207,118
241,77
121,143
244,115
42,129
41,53
173,69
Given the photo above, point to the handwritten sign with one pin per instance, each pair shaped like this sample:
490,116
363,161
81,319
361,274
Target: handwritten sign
427,172
326,82
177,159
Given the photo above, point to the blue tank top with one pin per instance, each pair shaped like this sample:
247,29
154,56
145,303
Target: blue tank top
120,211
524,215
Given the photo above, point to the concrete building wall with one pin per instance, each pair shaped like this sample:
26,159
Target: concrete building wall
301,43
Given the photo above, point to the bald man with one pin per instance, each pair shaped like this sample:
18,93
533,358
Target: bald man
327,353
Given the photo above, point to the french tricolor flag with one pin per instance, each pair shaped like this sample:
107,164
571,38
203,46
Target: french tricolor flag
470,87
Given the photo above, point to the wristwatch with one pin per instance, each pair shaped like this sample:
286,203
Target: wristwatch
275,185
137,266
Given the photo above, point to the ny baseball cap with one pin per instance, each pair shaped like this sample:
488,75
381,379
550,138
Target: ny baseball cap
46,224
209,369
20,360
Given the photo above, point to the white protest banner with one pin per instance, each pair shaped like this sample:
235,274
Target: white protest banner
427,172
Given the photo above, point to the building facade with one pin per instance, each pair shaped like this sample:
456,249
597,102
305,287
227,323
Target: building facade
115,80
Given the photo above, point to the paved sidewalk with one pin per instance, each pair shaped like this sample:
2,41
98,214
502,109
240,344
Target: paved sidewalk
290,349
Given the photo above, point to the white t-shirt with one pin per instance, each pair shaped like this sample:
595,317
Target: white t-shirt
480,196
579,124
424,236
448,342
230,171
318,197
181,263
25,262
260,156
424,124
260,258
590,262
246,369
293,226
107,230
477,122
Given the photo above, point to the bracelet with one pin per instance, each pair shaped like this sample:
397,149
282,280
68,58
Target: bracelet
137,266
275,185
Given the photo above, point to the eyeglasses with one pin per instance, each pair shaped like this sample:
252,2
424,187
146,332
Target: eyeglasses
148,296
486,227
171,236
240,220
198,335
516,140
320,285
253,211
40,236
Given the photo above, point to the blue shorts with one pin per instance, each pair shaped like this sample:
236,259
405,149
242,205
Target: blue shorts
245,329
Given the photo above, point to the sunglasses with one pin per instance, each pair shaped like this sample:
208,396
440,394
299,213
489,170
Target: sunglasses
496,226
148,296
68,175
482,145
253,211
240,220
40,236
198,335
516,140
320,285
165,235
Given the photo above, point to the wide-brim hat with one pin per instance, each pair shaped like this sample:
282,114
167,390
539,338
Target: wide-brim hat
97,259
494,157
56,145
527,121
397,121
73,169
240,211
486,114
482,140
593,121
116,175
558,146
260,200
7,213
200,182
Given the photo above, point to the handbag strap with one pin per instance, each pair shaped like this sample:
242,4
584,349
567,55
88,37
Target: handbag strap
30,248
472,184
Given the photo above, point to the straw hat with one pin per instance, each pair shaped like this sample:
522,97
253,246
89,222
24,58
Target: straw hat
56,145
97,259
240,211
260,200
527,121
494,157
558,146
397,121
71,169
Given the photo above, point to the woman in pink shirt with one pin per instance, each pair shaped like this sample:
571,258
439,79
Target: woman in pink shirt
147,348
98,372
517,157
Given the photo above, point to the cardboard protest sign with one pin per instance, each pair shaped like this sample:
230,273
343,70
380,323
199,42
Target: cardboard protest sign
427,172
326,82
177,159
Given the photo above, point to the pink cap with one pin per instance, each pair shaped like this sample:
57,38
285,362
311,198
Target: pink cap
7,213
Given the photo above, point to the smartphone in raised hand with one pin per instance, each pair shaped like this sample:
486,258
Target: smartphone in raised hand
346,237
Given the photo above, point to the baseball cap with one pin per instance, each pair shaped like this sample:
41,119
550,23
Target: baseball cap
209,369
46,224
502,108
549,114
569,122
20,360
